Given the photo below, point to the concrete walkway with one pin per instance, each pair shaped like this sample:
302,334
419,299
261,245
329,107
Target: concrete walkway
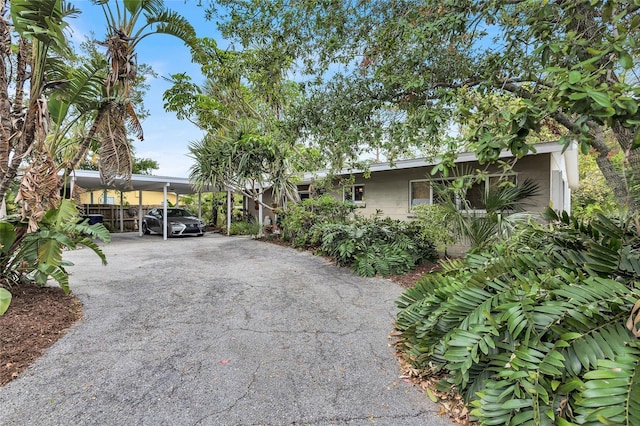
219,331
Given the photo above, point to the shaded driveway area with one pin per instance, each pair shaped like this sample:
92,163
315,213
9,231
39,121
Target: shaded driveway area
219,331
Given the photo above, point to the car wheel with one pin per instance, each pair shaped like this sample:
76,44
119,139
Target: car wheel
145,230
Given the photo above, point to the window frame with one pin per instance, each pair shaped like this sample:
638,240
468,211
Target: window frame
487,186
352,190
429,200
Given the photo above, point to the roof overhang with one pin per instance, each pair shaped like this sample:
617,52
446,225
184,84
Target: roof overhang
464,157
91,180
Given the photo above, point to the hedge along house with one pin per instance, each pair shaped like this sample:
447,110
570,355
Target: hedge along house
395,189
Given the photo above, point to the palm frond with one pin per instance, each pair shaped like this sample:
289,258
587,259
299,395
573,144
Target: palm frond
43,20
611,392
82,91
171,23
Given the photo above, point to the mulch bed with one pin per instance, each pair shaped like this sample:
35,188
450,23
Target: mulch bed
36,318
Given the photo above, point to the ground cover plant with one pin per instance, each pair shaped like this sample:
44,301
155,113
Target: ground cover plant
244,227
540,329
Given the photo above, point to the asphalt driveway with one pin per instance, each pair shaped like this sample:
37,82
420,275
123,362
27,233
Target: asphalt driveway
219,331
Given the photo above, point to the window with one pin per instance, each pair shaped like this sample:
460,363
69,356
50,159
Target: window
354,193
419,193
474,196
304,191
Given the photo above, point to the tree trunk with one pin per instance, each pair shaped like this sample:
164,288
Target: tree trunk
616,180
214,210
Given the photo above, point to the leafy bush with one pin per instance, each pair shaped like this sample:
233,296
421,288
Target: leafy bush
36,256
532,331
435,224
374,246
504,208
250,227
300,221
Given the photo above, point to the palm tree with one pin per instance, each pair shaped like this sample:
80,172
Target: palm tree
242,159
503,207
240,106
125,30
25,117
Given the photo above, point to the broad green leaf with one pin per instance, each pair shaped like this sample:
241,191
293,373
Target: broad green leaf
574,77
5,300
626,60
517,403
7,236
600,98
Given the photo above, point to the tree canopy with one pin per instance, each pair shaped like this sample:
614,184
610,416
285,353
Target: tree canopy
241,107
397,75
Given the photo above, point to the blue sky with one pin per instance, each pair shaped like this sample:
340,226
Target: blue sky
166,139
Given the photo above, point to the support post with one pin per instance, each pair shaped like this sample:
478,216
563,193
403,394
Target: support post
121,212
260,210
140,213
165,222
229,212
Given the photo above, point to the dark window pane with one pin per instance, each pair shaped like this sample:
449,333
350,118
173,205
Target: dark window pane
358,192
475,195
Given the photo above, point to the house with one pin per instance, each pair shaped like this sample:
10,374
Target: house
394,189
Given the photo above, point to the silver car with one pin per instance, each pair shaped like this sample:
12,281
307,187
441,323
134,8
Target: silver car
180,222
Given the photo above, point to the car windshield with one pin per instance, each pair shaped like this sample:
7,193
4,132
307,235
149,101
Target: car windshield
178,213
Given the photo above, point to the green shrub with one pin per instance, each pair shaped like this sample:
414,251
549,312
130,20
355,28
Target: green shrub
300,221
504,207
374,246
532,331
435,224
36,256
250,227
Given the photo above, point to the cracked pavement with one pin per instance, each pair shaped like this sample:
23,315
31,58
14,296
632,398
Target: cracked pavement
219,331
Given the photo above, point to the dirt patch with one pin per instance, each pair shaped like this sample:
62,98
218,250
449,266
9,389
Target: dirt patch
410,278
36,318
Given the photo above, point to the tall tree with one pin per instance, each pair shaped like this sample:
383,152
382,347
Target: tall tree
128,23
32,44
400,73
45,97
241,106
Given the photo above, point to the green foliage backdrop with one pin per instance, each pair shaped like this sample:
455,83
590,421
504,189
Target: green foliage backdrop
532,331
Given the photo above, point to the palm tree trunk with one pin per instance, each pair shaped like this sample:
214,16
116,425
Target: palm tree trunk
86,142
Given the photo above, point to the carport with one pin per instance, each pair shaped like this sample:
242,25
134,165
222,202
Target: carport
91,180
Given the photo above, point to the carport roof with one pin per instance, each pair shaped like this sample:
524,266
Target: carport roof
91,180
